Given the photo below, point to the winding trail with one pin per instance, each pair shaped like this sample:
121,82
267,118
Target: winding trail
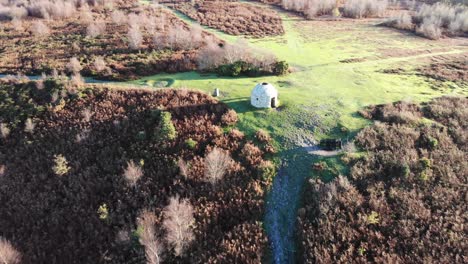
283,202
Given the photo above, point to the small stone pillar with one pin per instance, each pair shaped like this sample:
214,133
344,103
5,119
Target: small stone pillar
216,92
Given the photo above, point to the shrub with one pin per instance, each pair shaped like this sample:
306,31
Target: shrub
190,143
103,212
166,129
132,173
262,136
266,170
178,222
425,163
60,167
8,254
229,118
281,68
403,21
216,164
430,28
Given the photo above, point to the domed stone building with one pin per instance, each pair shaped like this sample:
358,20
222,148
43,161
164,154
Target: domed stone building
264,95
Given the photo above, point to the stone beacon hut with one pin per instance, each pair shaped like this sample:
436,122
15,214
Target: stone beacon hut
264,95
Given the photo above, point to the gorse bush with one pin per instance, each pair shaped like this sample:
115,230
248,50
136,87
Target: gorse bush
60,167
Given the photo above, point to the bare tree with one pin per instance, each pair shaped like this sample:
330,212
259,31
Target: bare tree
183,168
153,247
132,173
99,64
39,29
4,130
134,36
74,66
216,164
118,17
29,126
178,222
95,29
8,254
17,24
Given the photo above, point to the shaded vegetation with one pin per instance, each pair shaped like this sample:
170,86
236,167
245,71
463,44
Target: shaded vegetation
404,200
72,189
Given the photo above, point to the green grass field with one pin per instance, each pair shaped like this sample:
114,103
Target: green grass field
321,86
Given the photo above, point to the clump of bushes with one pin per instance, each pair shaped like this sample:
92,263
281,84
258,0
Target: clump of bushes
364,8
434,21
239,59
311,8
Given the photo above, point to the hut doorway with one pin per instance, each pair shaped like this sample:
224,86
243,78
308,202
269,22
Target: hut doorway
273,102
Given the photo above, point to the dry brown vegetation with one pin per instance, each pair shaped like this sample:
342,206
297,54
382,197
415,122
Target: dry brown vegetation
434,21
90,213
235,18
454,70
404,201
121,41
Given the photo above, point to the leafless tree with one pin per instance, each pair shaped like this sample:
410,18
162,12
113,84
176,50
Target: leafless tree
29,126
132,173
8,254
4,130
17,24
216,164
134,36
118,17
178,222
74,66
39,29
95,29
153,247
100,64
183,167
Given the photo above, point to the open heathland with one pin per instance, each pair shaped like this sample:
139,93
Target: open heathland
235,18
404,200
99,175
119,42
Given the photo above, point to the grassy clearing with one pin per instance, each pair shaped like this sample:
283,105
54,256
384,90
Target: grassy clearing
322,87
